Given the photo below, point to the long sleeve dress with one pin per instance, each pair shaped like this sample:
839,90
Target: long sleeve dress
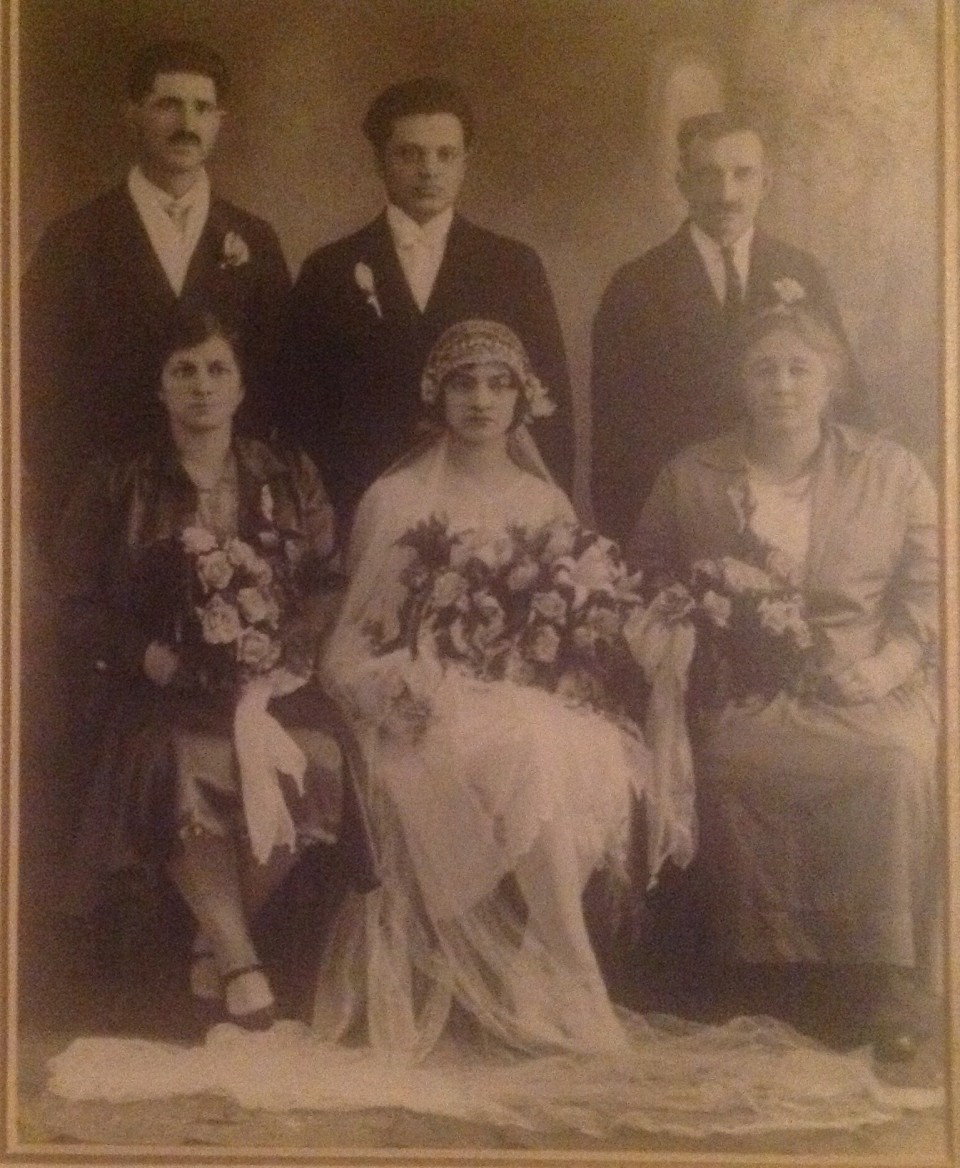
165,763
819,820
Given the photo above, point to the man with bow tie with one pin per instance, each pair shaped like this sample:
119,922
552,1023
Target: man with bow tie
661,333
105,279
368,308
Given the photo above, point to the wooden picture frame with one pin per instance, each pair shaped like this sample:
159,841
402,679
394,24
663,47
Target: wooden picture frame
541,72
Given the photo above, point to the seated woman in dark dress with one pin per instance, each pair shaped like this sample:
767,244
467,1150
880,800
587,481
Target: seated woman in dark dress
818,794
197,579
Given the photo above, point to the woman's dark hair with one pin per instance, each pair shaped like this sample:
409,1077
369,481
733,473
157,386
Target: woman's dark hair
176,56
188,328
419,95
810,326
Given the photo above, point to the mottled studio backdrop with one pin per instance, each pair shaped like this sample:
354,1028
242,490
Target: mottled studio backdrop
577,102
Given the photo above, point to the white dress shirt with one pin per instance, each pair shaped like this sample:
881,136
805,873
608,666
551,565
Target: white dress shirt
173,225
710,253
419,249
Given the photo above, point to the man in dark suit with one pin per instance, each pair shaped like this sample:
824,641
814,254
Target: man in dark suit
105,279
368,308
661,335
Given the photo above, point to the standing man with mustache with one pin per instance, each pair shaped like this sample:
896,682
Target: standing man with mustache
105,280
367,309
661,333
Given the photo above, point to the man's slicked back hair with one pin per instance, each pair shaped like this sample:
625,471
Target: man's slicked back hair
176,56
713,125
419,95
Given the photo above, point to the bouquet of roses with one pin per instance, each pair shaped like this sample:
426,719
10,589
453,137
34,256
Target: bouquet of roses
753,635
243,606
542,607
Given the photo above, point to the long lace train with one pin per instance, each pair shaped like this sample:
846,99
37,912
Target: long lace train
749,1076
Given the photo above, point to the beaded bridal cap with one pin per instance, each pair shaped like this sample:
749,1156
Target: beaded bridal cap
472,341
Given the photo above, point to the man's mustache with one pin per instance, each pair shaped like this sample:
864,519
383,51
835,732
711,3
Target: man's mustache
184,138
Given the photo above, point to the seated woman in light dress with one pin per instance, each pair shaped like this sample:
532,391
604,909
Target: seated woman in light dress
818,803
196,579
491,815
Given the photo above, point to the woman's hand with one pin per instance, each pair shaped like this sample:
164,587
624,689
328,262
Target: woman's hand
867,681
874,677
160,663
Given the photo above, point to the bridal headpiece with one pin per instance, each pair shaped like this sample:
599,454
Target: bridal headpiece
471,341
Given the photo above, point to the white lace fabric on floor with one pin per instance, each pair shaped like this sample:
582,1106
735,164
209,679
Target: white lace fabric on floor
748,1077
465,986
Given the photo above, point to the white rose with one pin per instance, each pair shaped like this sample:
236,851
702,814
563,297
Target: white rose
215,570
198,540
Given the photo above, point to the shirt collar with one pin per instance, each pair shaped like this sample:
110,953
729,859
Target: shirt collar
710,249
143,191
728,451
408,233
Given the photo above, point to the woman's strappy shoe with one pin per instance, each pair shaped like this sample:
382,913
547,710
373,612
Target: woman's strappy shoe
206,986
250,1003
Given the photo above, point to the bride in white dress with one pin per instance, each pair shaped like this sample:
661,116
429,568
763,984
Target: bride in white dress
492,818
466,984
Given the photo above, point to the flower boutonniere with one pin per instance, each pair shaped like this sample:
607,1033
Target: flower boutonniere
788,290
363,275
266,503
235,252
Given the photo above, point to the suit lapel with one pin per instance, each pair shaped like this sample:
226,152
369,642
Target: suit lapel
764,265
208,252
454,263
393,291
135,256
693,283
396,297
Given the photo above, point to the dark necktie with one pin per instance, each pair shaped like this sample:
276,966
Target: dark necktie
733,288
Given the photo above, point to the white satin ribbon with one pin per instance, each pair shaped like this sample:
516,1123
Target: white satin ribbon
664,652
265,751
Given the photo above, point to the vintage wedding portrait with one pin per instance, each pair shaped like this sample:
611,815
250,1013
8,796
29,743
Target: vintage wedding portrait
480,492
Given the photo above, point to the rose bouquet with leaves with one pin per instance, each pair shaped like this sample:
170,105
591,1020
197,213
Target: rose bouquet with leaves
753,633
542,607
244,604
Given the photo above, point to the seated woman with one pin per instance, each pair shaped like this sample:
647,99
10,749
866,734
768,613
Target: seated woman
196,580
493,799
817,781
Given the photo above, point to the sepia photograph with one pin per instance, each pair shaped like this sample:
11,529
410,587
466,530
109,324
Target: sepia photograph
480,581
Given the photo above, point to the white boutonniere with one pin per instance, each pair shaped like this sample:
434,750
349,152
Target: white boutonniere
266,502
788,290
235,251
363,275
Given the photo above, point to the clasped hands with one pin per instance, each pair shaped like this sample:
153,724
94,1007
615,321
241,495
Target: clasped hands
874,677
